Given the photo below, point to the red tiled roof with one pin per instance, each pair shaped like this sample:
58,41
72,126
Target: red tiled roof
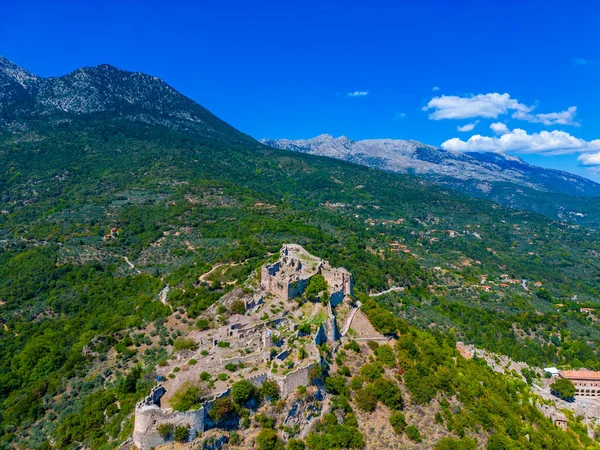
580,374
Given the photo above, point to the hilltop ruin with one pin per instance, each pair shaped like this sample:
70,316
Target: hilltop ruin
268,342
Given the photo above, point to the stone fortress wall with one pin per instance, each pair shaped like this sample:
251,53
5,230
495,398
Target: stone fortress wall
149,415
289,276
290,382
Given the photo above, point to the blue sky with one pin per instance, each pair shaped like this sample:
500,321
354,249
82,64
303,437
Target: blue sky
275,69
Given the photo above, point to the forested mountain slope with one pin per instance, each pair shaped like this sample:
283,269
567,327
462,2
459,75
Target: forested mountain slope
106,197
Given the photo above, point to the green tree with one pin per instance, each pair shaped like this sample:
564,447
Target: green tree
267,440
242,392
188,396
316,284
398,422
221,409
413,433
563,388
295,444
270,390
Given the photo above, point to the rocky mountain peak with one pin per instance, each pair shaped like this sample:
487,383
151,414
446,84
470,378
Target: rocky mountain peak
105,89
12,73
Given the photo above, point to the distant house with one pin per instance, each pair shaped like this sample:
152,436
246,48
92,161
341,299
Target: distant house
551,370
537,284
586,310
559,420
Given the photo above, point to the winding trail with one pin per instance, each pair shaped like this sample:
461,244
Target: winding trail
215,267
204,275
387,291
131,265
350,318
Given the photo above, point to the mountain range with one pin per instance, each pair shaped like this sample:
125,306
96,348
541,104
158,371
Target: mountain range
104,92
502,178
128,212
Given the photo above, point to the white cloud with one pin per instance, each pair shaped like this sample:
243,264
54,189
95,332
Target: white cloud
358,94
558,118
590,159
482,105
491,106
518,141
400,116
435,88
499,128
467,127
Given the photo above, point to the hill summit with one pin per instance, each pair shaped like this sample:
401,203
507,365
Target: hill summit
103,90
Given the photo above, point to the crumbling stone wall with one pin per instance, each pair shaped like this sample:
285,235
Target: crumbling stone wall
149,415
147,419
290,382
338,279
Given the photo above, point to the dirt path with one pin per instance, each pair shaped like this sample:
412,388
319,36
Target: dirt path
349,320
131,265
215,267
204,275
387,291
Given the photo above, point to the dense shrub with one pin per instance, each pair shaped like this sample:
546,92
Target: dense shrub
267,440
188,396
184,344
388,393
370,372
221,409
413,433
385,355
449,443
336,385
180,434
165,430
365,399
238,307
242,392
